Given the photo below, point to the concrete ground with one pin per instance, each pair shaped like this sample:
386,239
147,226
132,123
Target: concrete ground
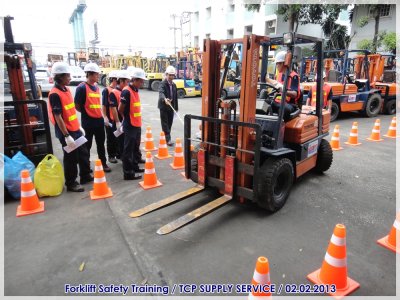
43,252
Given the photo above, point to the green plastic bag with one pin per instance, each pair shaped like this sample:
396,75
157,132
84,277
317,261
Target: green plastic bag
49,177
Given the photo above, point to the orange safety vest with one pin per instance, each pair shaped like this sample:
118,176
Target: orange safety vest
326,89
135,108
288,99
68,109
93,103
117,94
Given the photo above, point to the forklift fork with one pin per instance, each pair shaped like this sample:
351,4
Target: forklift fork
201,211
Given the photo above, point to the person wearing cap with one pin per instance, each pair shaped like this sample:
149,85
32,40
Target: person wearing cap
113,103
67,128
130,108
293,93
112,146
87,101
167,97
327,90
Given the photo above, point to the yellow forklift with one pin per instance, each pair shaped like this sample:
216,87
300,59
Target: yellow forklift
248,153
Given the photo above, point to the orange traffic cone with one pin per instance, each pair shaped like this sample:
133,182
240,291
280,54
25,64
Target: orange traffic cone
261,279
179,162
376,132
148,140
100,187
353,138
162,148
392,129
30,203
335,140
389,241
334,266
183,173
150,177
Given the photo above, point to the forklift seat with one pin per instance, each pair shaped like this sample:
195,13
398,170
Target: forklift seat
294,114
333,76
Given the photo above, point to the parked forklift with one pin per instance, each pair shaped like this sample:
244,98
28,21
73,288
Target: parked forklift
248,153
26,123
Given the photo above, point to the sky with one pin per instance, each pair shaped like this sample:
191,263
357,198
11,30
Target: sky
143,25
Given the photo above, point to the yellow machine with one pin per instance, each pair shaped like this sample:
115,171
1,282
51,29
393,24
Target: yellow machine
187,88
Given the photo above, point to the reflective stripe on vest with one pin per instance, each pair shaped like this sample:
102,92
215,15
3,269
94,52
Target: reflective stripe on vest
135,107
289,83
68,109
92,103
326,89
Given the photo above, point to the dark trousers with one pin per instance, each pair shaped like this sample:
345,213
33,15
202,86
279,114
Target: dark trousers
112,143
79,156
167,117
100,137
289,108
131,155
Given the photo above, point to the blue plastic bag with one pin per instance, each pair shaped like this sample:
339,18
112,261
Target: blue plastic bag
12,172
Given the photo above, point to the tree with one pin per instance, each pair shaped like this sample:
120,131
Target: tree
375,11
390,42
253,7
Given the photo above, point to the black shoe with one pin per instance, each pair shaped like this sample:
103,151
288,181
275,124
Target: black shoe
106,168
75,187
170,144
139,170
113,160
87,179
142,161
132,177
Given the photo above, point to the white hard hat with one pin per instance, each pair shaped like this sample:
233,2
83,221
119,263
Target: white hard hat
280,56
138,73
60,68
124,74
113,74
92,67
170,70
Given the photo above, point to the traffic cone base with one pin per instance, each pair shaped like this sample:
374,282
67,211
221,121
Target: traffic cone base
146,187
21,212
372,140
385,243
352,285
347,143
176,168
106,195
337,149
391,137
152,149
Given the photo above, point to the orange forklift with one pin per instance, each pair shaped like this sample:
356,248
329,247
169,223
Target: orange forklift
247,153
383,77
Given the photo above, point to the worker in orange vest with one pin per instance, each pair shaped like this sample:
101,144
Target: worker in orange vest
87,101
327,92
130,108
112,144
67,128
293,91
116,118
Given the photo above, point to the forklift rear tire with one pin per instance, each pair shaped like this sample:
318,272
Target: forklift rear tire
276,180
334,111
373,106
324,157
181,93
390,107
155,85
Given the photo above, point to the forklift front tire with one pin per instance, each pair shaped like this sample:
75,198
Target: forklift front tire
373,106
390,107
181,93
276,180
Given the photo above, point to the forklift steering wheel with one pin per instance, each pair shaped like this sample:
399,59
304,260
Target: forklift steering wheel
267,95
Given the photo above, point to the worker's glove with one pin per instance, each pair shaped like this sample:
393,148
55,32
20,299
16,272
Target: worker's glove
70,141
118,124
106,122
82,131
